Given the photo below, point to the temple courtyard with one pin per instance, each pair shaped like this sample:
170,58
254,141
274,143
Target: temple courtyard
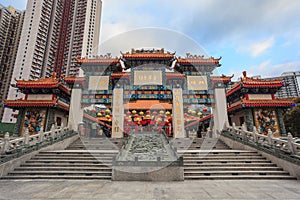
206,189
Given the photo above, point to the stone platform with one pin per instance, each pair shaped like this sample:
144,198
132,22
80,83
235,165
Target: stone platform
204,189
147,156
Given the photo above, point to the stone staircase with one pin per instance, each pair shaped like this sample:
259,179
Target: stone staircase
202,161
84,160
198,144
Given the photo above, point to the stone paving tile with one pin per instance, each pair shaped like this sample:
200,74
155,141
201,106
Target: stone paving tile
59,190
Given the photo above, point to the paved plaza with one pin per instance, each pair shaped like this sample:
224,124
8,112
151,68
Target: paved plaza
237,189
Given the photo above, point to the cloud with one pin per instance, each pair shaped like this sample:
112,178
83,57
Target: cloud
209,22
152,38
267,69
258,48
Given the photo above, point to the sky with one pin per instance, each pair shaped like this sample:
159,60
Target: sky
259,36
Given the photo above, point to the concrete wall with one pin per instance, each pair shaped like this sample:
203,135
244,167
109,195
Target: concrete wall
292,168
9,166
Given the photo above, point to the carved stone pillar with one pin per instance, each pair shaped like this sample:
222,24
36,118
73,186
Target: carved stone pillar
118,113
220,108
178,120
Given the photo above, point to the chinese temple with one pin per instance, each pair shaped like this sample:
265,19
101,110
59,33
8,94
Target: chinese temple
149,80
45,102
148,75
252,101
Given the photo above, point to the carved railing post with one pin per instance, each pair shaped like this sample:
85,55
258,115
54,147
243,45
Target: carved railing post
26,136
244,127
254,134
41,138
290,144
5,143
52,131
270,137
233,127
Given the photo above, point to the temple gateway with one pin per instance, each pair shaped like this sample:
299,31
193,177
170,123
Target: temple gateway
148,90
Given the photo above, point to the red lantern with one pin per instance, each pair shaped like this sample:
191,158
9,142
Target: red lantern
128,113
148,112
204,109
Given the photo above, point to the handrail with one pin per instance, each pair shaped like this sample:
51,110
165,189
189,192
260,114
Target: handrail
8,146
289,145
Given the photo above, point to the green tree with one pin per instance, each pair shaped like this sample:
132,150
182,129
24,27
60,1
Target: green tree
292,119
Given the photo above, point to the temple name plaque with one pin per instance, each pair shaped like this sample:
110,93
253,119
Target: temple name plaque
147,77
35,97
197,83
98,82
260,96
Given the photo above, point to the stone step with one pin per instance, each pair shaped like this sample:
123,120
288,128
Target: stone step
92,148
199,145
202,160
82,151
234,173
61,173
75,155
221,153
65,165
69,168
101,142
216,151
227,168
56,177
241,177
94,145
67,161
70,158
222,157
269,164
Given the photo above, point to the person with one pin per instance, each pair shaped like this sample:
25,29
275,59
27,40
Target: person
94,129
100,132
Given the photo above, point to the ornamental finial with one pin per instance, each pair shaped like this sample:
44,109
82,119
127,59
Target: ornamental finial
244,74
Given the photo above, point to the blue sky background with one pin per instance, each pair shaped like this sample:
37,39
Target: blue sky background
260,36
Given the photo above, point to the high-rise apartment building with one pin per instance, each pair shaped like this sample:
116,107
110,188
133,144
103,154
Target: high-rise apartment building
80,34
55,33
291,85
11,21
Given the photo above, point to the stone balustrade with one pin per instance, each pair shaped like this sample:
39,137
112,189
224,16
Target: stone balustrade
287,144
8,146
